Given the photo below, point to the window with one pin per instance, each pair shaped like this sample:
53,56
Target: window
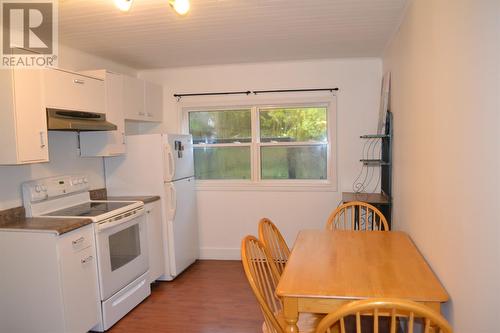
222,142
266,145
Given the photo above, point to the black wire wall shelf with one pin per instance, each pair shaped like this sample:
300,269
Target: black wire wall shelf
383,199
375,136
374,162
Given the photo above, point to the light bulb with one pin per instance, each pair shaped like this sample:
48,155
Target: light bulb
123,5
180,6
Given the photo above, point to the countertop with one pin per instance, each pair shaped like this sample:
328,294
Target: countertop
57,226
145,198
102,194
372,198
14,219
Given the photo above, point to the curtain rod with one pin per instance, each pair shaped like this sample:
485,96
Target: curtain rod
255,92
293,90
214,94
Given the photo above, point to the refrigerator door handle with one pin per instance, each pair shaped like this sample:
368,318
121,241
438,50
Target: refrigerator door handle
173,201
171,163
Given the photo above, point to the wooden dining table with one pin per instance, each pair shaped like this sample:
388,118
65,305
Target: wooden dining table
327,269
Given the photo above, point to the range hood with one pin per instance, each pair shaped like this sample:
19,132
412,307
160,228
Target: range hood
66,120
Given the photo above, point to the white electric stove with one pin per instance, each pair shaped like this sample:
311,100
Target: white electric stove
120,233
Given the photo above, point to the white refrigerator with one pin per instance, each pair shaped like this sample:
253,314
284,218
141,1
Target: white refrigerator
162,164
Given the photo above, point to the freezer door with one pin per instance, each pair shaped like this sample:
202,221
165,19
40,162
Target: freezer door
182,224
178,156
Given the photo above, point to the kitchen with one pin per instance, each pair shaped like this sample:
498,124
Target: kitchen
144,105
128,242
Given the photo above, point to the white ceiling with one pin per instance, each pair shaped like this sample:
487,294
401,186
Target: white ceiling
151,35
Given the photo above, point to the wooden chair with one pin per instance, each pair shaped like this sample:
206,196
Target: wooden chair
274,242
416,317
263,278
357,215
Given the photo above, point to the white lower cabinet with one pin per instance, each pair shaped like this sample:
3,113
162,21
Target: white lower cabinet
155,240
48,282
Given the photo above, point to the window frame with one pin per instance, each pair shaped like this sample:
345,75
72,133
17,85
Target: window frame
255,104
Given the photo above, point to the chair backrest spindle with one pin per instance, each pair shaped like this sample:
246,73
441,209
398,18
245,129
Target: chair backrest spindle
359,216
392,309
263,278
274,242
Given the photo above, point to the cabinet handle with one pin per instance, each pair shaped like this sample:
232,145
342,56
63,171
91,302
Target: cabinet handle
78,81
86,260
42,139
79,240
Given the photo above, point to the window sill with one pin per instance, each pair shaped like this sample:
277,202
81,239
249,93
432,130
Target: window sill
270,186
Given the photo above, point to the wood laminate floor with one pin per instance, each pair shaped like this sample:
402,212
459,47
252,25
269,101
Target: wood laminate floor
209,297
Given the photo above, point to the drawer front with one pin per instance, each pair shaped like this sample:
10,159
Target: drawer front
78,240
64,90
125,300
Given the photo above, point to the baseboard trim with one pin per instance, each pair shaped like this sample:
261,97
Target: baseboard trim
220,253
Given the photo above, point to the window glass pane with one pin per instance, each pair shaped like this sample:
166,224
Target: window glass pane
124,246
222,163
294,162
293,124
226,126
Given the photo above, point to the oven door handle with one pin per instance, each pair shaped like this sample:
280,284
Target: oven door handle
120,219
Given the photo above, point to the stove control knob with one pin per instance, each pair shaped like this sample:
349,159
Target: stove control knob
85,180
38,189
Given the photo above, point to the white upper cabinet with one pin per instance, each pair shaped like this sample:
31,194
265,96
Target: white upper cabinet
23,122
133,98
154,101
108,143
73,91
143,101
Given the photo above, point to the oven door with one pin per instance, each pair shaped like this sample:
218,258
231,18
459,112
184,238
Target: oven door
122,251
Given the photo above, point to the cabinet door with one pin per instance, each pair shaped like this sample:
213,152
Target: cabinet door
79,285
31,119
133,98
108,143
71,91
155,240
114,113
154,101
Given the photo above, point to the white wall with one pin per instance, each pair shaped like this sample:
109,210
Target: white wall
225,217
445,97
64,157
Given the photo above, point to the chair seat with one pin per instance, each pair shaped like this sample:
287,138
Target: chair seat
307,322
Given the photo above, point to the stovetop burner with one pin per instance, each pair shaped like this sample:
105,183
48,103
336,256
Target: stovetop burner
90,209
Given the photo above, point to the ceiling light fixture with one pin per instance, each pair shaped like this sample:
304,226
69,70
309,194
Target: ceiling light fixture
180,6
123,5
